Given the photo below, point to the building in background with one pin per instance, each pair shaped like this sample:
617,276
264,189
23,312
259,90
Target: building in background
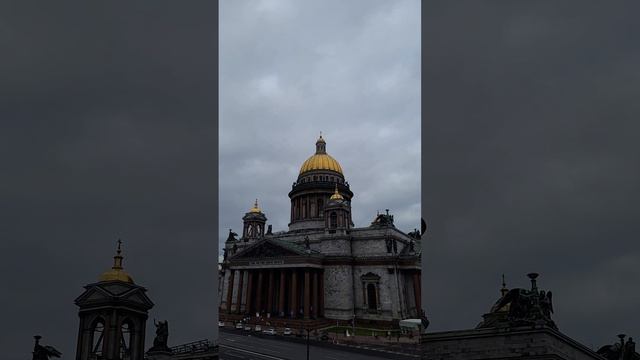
113,314
519,326
323,267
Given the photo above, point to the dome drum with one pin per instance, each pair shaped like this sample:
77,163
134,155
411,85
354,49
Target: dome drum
321,176
324,187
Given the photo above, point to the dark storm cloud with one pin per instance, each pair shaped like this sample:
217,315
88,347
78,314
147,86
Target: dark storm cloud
290,69
530,160
108,130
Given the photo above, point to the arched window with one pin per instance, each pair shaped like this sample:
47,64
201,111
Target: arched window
319,208
370,289
97,337
126,333
333,220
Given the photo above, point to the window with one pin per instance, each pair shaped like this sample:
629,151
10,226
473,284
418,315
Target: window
97,338
333,220
125,340
370,292
372,300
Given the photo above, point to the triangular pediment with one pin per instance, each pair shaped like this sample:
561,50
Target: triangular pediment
117,288
93,294
138,297
112,293
268,248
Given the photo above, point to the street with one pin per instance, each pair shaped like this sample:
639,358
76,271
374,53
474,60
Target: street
241,346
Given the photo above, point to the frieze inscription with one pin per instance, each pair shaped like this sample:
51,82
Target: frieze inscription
266,262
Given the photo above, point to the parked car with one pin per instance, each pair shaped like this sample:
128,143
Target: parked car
239,326
287,331
270,331
220,323
247,327
258,328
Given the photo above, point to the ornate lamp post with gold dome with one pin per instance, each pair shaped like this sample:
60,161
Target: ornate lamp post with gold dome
113,314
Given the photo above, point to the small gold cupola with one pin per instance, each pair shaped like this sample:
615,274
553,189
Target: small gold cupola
336,195
117,272
255,208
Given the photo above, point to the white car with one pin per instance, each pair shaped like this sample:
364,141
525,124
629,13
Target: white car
220,323
239,326
258,328
270,331
287,331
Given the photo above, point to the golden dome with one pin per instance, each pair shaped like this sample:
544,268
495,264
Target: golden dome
117,273
336,195
321,160
255,208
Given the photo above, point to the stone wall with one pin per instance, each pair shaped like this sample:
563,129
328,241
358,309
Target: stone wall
338,292
509,343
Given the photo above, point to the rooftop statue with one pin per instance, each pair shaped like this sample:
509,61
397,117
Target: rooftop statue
383,219
44,352
519,307
621,350
425,321
232,236
412,246
162,335
307,244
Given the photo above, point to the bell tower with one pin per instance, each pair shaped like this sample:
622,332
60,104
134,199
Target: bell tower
113,313
337,214
254,223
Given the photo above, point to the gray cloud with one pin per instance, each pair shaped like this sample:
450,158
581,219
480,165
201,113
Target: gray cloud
530,148
289,69
107,132
530,161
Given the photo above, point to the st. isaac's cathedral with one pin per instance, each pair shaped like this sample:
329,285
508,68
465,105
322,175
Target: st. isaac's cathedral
323,267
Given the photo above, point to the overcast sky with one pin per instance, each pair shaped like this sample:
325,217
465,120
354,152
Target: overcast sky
108,130
529,147
290,69
531,160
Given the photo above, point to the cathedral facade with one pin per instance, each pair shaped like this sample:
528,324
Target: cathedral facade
322,267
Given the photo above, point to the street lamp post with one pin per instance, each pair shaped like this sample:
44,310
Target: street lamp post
307,342
354,324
